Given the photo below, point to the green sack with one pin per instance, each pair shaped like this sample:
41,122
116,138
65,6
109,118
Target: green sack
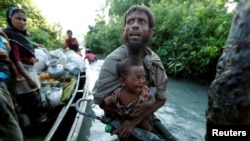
68,89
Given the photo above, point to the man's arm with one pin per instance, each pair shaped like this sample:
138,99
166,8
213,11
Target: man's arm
107,81
109,110
149,103
158,104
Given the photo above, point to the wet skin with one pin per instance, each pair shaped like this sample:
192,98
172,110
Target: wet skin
136,29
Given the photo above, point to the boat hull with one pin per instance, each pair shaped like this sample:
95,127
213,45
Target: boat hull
63,121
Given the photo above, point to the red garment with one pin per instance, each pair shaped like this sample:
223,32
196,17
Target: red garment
90,56
73,40
73,44
21,54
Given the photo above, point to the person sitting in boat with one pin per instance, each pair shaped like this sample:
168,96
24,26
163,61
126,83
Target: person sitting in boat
90,56
72,43
133,97
23,56
138,29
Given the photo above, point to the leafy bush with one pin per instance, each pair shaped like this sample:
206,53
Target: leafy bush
190,36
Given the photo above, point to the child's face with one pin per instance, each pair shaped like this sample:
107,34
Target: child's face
135,79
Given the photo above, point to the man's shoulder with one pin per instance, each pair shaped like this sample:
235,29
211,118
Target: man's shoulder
118,53
153,58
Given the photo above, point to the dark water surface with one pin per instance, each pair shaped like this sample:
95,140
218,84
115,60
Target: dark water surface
183,114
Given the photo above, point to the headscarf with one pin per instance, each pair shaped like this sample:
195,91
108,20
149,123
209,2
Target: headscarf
15,35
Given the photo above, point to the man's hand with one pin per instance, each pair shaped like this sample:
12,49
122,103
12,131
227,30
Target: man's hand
124,131
32,83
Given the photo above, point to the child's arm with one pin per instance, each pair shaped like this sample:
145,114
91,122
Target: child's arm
108,104
111,99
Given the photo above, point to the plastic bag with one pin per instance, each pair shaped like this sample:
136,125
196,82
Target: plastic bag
73,57
42,57
54,95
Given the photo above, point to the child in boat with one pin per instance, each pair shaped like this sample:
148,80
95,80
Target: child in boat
133,97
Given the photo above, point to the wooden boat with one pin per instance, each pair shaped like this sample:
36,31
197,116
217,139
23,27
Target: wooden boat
64,121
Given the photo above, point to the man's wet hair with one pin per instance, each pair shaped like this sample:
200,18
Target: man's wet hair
142,9
124,65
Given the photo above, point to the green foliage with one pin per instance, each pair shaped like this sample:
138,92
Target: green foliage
100,40
118,7
190,36
41,31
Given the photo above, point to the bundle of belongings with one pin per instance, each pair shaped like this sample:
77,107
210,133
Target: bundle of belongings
57,72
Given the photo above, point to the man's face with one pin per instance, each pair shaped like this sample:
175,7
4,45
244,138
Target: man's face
136,32
69,34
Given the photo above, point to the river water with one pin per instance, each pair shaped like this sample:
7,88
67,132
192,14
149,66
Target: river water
183,114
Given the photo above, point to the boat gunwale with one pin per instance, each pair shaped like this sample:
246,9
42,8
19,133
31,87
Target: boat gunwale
65,108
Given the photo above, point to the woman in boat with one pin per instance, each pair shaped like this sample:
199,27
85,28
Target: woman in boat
133,97
137,31
23,56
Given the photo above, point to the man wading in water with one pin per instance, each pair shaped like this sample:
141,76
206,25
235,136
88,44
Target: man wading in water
138,29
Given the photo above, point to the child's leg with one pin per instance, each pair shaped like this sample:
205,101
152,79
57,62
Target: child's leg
146,125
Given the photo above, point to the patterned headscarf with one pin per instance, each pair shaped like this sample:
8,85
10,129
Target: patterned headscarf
15,35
